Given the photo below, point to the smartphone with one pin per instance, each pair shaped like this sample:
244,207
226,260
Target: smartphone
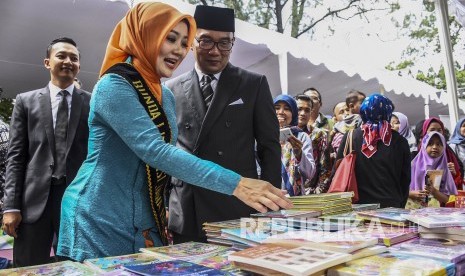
284,134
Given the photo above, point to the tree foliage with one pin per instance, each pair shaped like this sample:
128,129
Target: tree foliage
6,109
299,17
422,29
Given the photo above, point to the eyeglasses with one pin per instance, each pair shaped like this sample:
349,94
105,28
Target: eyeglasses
208,44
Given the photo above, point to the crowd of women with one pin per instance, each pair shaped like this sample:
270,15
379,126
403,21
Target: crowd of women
392,163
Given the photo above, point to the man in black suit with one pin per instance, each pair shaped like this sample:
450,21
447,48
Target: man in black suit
48,143
226,115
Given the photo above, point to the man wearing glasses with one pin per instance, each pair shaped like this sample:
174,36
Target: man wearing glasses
223,114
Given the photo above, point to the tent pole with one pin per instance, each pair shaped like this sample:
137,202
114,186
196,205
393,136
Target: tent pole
426,107
283,78
446,49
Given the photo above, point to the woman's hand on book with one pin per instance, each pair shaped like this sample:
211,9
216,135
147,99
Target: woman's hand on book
261,195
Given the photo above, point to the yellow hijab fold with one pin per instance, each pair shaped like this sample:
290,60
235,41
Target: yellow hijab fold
140,34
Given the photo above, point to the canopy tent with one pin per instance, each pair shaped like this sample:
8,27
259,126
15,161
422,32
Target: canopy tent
291,65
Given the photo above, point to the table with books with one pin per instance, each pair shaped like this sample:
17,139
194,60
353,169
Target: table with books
323,237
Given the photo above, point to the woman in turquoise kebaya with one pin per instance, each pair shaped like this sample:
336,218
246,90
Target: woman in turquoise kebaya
108,209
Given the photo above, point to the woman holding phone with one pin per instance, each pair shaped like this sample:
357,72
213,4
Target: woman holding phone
297,163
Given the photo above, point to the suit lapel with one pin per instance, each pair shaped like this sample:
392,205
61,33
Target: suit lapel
46,117
76,107
194,97
227,86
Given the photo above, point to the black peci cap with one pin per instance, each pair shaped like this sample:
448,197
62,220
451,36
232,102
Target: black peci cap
214,18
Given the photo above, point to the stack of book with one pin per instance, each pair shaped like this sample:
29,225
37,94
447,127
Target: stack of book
387,235
272,259
186,251
448,250
391,216
342,221
330,203
340,241
437,217
453,233
60,268
393,263
213,230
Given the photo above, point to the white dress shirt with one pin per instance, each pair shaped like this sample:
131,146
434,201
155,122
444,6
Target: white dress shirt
214,82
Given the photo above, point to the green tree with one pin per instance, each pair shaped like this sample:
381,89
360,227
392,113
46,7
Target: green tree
422,29
303,16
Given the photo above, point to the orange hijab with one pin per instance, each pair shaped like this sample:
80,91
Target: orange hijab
140,35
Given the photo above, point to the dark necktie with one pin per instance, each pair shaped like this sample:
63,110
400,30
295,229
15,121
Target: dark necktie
207,90
61,131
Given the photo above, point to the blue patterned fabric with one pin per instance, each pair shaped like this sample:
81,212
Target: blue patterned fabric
376,112
106,207
292,104
376,108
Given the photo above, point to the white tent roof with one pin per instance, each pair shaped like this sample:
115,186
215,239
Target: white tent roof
28,26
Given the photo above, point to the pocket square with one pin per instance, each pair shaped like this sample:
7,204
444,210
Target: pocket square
239,101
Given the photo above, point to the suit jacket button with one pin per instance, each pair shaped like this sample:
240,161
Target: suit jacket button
220,153
228,123
187,126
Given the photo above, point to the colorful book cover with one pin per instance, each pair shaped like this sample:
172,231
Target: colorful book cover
289,259
386,235
174,267
394,263
340,241
6,242
118,272
186,251
112,263
222,263
54,269
390,214
450,250
437,217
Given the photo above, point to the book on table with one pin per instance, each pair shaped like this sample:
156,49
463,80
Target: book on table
287,214
437,217
59,268
387,235
321,197
442,236
395,264
450,250
340,241
390,215
220,261
271,259
116,262
455,230
365,207
186,251
318,224
173,267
